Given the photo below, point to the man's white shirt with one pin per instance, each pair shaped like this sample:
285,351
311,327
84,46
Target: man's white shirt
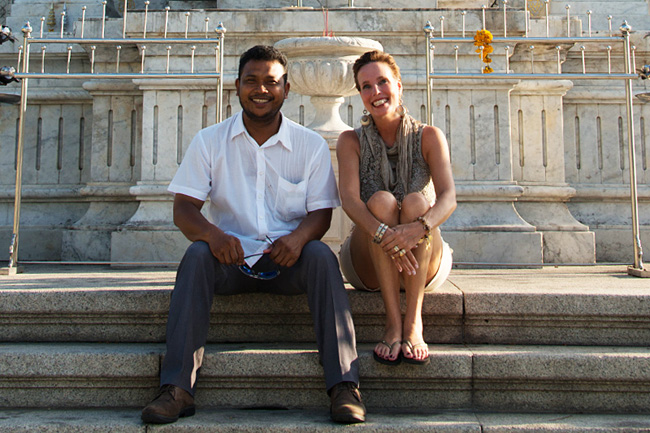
257,191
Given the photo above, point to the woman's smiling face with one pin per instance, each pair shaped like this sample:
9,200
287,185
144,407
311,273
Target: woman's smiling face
380,90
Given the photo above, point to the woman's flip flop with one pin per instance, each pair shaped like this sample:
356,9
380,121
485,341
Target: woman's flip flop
412,346
384,361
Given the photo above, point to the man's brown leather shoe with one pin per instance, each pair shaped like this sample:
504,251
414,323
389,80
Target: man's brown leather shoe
170,403
347,407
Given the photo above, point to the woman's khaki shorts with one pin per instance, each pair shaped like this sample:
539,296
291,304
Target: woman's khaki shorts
351,275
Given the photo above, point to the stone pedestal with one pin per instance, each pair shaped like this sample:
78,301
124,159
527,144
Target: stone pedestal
114,160
54,169
149,235
169,122
539,166
595,142
475,116
486,228
565,240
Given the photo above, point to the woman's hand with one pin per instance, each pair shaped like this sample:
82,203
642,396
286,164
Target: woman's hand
405,263
398,243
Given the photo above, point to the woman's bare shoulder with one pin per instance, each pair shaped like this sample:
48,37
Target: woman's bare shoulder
432,133
347,139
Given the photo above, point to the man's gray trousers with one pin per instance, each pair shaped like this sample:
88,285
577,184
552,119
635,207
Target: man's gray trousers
200,276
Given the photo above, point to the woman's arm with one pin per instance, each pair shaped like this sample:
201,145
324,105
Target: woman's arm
436,153
348,154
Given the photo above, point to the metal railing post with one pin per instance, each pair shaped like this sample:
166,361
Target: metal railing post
428,32
637,268
220,31
13,248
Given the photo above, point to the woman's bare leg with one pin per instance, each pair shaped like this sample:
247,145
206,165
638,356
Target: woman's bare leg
428,256
376,269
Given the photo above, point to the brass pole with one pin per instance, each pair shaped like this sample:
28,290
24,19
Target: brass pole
220,31
428,36
13,248
637,268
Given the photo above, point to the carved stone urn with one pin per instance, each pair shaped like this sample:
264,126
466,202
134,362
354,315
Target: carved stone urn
321,67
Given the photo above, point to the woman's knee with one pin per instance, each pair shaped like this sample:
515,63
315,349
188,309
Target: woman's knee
413,206
383,206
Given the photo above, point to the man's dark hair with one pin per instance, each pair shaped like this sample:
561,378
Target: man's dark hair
265,53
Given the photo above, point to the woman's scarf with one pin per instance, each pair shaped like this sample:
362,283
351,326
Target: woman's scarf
373,147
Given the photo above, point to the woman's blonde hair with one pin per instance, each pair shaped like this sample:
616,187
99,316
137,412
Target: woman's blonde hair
375,56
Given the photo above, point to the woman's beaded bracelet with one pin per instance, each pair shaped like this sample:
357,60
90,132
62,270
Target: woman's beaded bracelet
379,234
427,230
427,227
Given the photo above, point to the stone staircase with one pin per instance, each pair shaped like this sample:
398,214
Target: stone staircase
548,349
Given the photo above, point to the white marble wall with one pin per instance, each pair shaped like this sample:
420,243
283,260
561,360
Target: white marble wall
528,197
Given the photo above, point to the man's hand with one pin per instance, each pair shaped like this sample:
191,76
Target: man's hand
226,248
189,219
286,250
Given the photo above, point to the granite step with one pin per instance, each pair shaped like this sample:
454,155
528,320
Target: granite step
525,379
114,306
598,305
317,421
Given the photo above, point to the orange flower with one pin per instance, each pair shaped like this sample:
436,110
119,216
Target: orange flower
483,39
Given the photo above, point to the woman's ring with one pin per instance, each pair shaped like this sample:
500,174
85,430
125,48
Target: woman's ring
396,249
402,252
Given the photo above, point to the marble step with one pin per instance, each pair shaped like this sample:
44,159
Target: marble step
566,379
317,421
598,305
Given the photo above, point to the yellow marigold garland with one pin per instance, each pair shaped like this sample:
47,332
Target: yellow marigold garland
483,38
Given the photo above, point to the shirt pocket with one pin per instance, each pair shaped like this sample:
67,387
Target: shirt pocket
290,202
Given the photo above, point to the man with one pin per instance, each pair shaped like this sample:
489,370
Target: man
272,190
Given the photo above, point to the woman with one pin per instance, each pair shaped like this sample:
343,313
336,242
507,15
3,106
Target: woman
397,187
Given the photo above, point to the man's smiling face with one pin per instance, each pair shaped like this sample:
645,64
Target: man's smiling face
262,89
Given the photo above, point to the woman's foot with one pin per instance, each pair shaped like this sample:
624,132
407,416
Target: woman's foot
389,354
417,353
